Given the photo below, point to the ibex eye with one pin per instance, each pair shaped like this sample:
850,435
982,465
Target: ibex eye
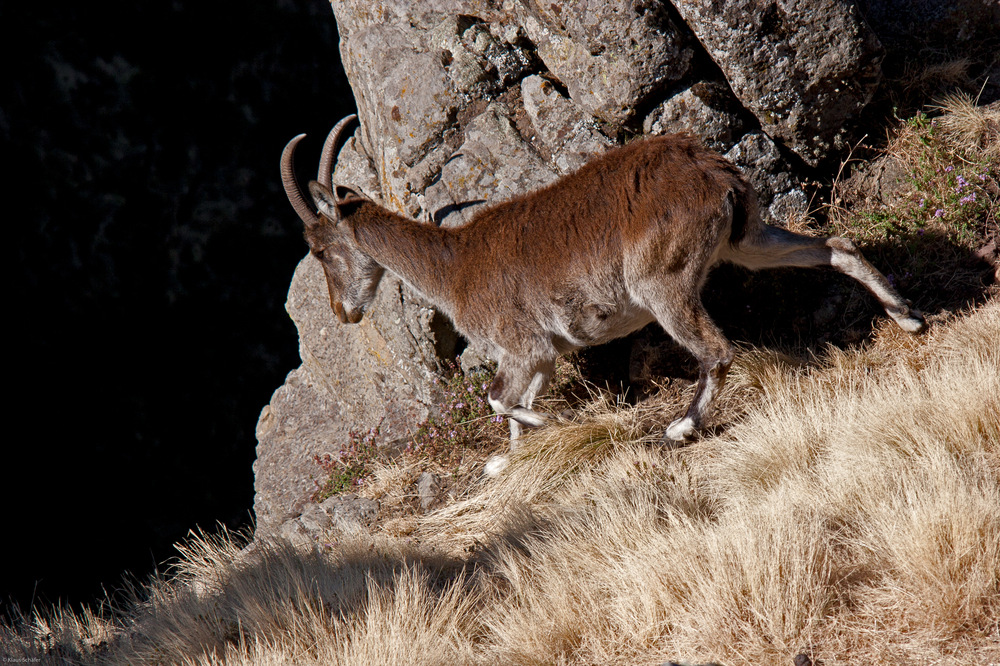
338,260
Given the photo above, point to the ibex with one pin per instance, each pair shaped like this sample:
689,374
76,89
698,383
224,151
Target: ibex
627,240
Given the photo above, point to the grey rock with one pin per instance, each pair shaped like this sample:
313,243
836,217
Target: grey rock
769,173
354,168
479,63
301,421
706,109
494,163
415,69
314,519
804,68
378,373
427,490
612,55
406,100
349,513
787,205
474,358
570,136
295,533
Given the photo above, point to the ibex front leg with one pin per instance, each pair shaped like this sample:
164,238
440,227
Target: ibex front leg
517,382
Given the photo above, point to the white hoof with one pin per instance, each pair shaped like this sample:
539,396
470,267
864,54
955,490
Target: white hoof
680,429
911,324
495,465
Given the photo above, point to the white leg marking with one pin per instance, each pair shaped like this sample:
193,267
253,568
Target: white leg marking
495,465
910,324
528,417
680,429
515,433
533,388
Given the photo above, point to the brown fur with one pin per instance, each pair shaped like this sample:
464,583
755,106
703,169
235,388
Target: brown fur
626,240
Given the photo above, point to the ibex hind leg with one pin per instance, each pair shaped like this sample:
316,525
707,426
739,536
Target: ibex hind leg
690,325
774,247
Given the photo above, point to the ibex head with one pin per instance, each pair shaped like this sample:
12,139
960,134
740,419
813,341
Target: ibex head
352,277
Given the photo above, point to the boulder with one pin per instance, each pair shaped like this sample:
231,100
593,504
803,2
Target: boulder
612,55
804,68
569,136
706,109
378,373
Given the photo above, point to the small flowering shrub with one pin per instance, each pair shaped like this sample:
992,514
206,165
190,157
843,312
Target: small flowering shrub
351,468
466,420
925,241
951,188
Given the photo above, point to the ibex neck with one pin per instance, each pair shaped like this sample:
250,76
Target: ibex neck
420,254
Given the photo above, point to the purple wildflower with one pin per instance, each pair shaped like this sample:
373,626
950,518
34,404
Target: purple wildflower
939,213
968,199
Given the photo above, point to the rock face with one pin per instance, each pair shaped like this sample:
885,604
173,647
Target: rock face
804,68
611,55
466,102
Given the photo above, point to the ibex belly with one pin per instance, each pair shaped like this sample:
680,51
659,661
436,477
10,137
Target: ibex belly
585,324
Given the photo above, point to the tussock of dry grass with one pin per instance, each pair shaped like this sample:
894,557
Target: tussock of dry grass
973,128
853,513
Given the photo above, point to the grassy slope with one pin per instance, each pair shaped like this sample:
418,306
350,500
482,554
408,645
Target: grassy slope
850,512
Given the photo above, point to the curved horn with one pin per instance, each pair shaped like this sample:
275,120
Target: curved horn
329,154
292,189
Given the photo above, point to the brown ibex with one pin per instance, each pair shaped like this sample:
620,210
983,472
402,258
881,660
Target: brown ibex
626,240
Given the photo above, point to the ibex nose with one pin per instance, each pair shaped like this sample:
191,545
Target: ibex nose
338,308
352,317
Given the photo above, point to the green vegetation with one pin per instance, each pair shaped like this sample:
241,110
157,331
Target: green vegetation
926,230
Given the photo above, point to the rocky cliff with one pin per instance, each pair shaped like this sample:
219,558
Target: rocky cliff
465,102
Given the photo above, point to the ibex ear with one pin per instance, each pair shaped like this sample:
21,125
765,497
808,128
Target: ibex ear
326,202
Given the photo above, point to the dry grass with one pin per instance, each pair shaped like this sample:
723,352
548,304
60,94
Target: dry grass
852,513
973,128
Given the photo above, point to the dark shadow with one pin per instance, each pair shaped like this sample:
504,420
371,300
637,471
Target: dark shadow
445,211
152,255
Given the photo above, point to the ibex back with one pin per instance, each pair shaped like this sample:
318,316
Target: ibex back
627,240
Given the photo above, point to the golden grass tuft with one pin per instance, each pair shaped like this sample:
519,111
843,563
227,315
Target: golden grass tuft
972,128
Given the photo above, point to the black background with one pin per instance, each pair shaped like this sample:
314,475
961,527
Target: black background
152,250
